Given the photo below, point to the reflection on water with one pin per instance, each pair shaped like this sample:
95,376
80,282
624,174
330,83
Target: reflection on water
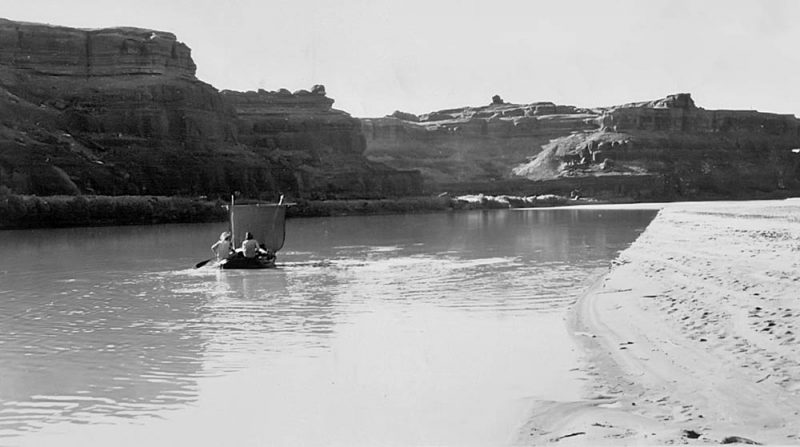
381,314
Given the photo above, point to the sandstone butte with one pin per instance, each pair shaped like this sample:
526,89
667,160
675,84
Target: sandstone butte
121,111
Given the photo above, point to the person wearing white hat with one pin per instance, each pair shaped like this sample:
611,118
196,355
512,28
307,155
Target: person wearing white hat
222,248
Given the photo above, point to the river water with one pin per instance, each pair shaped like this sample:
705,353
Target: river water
431,329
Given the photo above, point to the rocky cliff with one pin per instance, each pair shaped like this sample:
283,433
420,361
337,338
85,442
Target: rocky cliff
663,149
120,111
323,147
472,143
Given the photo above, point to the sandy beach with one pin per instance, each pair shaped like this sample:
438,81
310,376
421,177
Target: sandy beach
692,337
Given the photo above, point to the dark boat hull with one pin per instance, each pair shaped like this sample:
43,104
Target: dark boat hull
240,262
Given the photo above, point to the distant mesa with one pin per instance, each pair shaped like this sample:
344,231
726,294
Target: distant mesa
651,150
676,101
404,116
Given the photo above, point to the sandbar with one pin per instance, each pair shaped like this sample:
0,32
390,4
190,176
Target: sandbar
692,336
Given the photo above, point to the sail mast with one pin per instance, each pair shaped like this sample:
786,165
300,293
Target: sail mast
230,217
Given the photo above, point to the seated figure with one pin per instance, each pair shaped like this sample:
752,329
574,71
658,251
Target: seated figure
223,247
250,246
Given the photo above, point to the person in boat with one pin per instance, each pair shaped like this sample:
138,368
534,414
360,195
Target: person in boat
223,247
250,246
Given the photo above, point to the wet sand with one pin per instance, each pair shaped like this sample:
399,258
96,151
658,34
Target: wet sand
692,337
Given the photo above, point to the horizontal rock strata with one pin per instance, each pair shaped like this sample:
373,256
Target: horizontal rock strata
677,149
120,111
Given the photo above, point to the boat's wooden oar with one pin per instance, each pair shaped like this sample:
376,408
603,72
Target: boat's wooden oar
202,263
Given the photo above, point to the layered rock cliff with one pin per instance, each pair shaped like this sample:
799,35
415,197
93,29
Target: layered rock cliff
470,144
323,147
663,149
120,111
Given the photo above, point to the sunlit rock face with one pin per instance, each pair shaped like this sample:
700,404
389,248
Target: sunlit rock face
663,149
120,111
472,143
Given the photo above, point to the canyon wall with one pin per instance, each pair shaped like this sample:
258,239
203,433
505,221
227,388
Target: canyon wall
472,143
323,147
663,149
120,111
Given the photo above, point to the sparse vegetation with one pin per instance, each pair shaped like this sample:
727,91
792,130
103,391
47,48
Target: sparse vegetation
315,208
26,211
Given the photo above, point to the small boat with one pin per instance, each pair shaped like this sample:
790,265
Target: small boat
266,222
260,261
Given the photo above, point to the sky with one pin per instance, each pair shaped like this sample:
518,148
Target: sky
378,56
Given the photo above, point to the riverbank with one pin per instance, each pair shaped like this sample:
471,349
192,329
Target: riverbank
692,336
26,211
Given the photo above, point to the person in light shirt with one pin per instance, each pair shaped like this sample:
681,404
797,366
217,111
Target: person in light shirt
223,247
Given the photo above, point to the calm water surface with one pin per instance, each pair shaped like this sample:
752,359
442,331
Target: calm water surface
437,329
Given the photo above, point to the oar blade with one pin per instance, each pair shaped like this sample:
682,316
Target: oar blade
202,263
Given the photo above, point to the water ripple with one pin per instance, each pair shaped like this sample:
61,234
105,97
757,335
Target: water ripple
135,335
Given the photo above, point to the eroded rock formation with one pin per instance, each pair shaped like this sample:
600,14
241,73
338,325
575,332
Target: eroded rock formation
663,149
120,111
470,144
